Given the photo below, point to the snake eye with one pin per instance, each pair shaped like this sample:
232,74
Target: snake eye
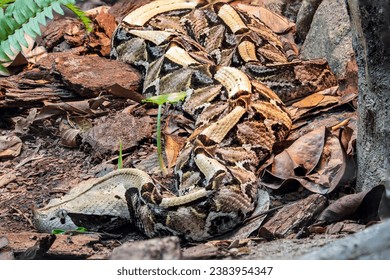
62,215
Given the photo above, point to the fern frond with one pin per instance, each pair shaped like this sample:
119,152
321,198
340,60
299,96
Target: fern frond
20,19
3,71
5,3
81,15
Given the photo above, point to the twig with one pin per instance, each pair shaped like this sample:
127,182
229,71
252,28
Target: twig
23,215
341,124
26,160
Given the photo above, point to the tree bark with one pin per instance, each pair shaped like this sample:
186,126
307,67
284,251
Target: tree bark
371,30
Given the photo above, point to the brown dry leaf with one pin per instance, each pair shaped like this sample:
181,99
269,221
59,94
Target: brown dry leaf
173,145
22,125
36,54
10,146
70,137
80,123
309,101
316,161
319,101
361,206
347,227
301,157
79,107
118,90
7,178
100,38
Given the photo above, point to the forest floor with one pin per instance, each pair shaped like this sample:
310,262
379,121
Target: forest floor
51,139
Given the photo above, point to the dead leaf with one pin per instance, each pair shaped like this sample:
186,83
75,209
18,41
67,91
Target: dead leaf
317,102
71,137
173,145
360,206
118,90
80,123
22,125
301,157
103,27
347,227
36,54
10,146
6,179
316,161
309,101
83,107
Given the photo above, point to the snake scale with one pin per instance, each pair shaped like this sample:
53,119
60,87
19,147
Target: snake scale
227,61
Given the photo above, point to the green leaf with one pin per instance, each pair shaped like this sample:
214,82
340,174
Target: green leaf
58,231
3,56
27,29
19,34
3,71
12,24
81,229
57,8
14,43
5,45
5,3
166,98
31,5
120,160
81,15
33,23
41,18
48,12
19,17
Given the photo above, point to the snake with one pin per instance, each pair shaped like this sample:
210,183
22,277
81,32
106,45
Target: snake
234,70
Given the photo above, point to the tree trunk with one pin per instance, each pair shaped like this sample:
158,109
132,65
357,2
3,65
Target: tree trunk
371,30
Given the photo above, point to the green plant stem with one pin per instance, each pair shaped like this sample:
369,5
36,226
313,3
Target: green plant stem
159,148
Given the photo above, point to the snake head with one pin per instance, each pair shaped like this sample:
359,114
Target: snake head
47,220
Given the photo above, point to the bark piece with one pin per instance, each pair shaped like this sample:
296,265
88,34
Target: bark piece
69,32
30,88
91,75
167,248
100,39
291,218
104,136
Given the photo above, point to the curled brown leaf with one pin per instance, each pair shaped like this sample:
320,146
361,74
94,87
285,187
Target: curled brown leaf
315,161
